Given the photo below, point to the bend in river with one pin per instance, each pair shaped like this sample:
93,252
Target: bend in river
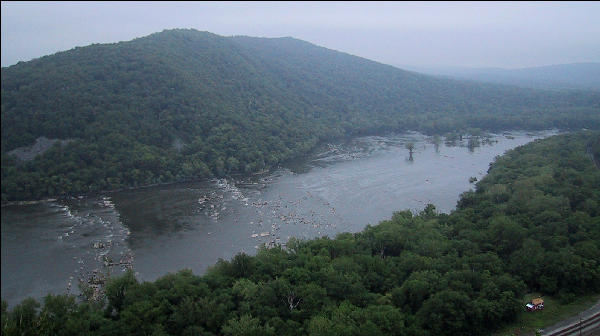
48,247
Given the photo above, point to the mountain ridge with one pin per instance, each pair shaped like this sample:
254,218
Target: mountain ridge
234,105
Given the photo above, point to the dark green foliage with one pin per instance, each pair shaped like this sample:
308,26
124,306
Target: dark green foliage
183,104
525,228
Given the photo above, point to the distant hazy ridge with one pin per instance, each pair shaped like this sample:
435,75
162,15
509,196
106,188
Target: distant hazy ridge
580,76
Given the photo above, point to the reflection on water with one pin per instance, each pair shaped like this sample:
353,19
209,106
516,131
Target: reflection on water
341,188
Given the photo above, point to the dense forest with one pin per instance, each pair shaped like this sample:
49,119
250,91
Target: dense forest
184,104
531,225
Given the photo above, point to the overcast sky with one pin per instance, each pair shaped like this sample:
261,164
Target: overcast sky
485,34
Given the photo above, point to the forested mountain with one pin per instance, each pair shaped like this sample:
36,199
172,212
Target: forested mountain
531,225
184,104
581,76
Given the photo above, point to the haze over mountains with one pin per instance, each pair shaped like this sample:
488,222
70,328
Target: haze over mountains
578,76
184,104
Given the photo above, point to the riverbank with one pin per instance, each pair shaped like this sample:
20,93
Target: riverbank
293,161
469,267
340,188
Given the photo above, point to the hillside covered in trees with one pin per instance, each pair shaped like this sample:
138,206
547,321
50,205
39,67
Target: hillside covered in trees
185,104
532,224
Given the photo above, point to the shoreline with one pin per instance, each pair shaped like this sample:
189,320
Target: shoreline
261,172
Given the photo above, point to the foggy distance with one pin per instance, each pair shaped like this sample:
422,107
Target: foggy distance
480,34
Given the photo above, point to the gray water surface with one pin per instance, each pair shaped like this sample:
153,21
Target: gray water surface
343,187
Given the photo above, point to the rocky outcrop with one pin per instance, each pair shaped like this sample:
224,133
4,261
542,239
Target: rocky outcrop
41,145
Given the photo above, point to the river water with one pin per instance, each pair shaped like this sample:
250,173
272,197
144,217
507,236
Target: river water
48,247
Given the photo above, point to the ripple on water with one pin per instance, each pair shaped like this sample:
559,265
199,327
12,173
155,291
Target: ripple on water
191,225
